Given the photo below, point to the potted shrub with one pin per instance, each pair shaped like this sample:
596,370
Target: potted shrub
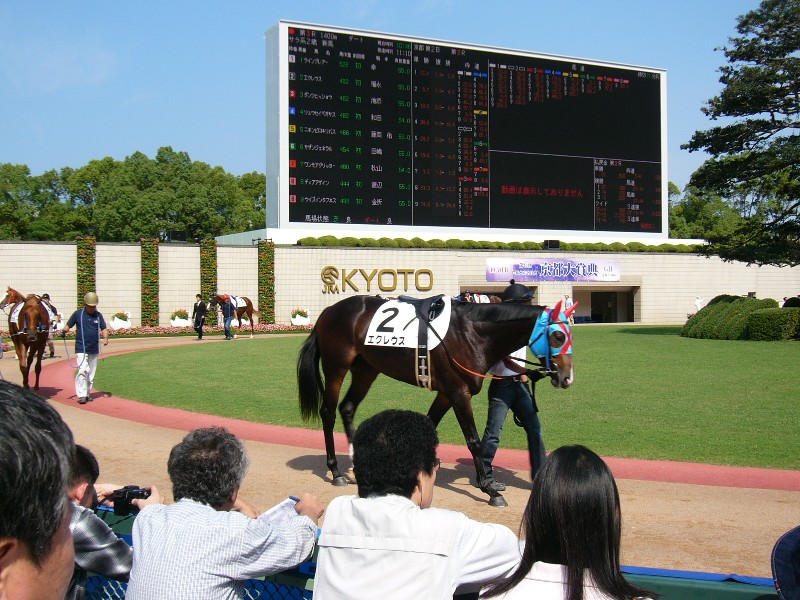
180,318
300,316
120,320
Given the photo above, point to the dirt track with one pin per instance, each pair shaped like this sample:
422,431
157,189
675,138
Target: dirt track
666,525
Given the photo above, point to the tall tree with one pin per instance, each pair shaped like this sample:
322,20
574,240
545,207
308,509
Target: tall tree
755,154
701,216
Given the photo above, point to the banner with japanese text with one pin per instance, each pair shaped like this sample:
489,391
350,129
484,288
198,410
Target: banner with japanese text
552,269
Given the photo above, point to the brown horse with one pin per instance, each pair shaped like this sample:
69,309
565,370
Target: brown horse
12,297
479,335
247,309
29,333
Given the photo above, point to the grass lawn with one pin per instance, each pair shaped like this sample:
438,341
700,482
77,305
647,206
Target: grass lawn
640,392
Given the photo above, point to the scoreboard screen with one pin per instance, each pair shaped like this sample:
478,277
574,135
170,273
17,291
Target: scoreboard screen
369,129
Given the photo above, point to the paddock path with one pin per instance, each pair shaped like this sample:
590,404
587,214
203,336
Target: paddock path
675,515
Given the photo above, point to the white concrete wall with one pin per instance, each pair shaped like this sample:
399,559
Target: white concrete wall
119,283
178,279
237,271
38,268
663,286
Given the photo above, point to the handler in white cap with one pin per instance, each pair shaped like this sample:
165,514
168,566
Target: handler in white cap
90,325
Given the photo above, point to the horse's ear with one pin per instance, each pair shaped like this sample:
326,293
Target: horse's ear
557,309
571,309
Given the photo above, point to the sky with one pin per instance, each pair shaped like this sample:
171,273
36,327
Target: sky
80,81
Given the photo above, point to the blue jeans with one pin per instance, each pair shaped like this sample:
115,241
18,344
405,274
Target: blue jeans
505,395
227,325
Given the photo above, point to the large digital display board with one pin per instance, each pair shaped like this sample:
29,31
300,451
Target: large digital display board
370,129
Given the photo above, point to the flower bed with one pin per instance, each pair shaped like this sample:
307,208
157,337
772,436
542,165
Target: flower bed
166,331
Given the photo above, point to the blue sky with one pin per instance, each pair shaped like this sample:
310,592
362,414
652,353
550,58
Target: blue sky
85,80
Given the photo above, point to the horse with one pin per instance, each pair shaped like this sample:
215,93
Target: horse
247,309
479,335
29,333
12,297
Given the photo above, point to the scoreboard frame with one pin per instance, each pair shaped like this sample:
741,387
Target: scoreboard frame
281,64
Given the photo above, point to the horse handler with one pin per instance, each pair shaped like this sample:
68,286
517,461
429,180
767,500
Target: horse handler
509,390
90,325
199,315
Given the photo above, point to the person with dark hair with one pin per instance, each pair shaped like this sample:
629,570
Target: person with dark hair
36,454
572,527
512,387
97,547
199,315
388,542
210,541
54,319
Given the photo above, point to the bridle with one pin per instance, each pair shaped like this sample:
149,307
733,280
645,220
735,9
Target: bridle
549,322
539,342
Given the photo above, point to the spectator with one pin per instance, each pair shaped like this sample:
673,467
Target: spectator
97,547
36,453
90,325
512,388
388,542
567,305
199,315
54,319
206,545
572,526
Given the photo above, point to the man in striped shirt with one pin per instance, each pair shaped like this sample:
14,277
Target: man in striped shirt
210,541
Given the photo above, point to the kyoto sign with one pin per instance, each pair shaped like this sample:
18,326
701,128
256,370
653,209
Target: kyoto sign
552,269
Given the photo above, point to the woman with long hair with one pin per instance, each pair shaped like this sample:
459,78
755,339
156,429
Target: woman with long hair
572,528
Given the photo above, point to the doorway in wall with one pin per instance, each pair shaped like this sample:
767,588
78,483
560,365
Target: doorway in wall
612,306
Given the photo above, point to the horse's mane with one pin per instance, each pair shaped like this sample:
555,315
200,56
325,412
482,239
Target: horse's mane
497,313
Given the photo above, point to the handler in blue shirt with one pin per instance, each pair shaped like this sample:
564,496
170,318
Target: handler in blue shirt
227,316
90,325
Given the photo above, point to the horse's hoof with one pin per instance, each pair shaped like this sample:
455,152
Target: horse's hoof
351,475
251,336
339,481
498,501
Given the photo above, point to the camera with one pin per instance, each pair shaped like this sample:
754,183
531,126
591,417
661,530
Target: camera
122,499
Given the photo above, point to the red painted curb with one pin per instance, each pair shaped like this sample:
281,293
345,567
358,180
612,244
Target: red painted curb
623,468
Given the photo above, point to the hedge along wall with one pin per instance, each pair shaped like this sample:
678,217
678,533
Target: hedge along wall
266,280
208,268
149,282
86,264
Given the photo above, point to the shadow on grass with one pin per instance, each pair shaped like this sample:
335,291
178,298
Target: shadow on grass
666,330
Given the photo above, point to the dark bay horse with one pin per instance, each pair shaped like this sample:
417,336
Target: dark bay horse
247,309
29,333
479,335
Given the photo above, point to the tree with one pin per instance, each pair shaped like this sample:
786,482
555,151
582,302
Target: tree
700,217
755,154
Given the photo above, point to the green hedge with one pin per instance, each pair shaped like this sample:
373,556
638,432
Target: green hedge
458,244
774,324
725,317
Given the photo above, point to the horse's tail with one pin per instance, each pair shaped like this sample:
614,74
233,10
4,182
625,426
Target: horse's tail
309,378
257,313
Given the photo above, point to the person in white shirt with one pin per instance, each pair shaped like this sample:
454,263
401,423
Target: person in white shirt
210,541
572,526
388,542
